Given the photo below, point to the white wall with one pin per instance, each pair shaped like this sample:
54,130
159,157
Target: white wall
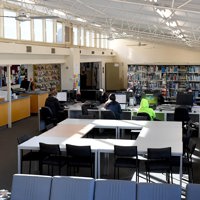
153,53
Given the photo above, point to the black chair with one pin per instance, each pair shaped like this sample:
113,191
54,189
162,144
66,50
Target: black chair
50,155
159,160
126,157
79,156
144,115
187,161
85,113
46,119
27,156
108,114
181,114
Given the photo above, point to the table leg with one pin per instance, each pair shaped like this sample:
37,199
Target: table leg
19,160
181,170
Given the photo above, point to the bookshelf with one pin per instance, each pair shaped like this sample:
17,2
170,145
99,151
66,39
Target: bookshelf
174,77
46,76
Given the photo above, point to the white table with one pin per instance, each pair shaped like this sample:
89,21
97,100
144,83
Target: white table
154,134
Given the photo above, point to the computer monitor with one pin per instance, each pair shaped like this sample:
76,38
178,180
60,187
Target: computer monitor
121,98
152,100
184,99
123,106
62,96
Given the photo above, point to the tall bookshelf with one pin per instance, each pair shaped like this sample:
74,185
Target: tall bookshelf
46,76
174,77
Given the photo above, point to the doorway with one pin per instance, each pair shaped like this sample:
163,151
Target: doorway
89,80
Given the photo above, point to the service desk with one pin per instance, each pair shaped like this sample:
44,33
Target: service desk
37,100
20,109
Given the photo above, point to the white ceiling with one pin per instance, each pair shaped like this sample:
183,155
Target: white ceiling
135,19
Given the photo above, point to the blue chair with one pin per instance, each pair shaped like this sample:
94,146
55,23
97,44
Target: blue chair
76,188
158,191
31,187
192,191
115,190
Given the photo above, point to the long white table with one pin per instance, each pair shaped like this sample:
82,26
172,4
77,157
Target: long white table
154,134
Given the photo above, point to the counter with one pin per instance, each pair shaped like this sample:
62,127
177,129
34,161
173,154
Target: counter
20,109
37,100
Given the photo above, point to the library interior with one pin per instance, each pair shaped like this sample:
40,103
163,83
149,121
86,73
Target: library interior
102,97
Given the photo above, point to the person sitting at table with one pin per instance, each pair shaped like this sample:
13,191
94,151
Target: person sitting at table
113,105
57,109
144,108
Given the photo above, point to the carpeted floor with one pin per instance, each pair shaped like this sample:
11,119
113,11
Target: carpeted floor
8,154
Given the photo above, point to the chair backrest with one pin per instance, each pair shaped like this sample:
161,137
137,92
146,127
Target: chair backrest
49,149
76,188
23,138
192,191
115,190
140,118
30,187
144,115
159,153
126,151
46,113
158,191
108,114
78,151
181,113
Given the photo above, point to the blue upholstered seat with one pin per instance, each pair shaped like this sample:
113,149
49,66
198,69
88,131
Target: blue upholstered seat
158,191
192,191
30,187
76,188
115,190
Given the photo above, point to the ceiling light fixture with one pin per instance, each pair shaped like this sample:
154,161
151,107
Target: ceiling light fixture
165,13
171,24
81,20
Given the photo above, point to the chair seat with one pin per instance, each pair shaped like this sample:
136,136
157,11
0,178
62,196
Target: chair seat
54,160
126,162
79,161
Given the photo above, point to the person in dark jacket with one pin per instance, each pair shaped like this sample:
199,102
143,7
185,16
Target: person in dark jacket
53,103
113,105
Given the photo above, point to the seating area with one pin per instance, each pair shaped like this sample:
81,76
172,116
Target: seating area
37,187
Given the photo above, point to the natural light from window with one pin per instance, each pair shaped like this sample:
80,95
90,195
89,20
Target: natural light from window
38,30
75,35
10,25
25,30
59,32
82,36
49,30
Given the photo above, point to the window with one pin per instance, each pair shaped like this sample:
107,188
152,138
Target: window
75,35
10,25
49,30
25,30
87,38
38,30
98,40
82,37
59,32
102,40
92,39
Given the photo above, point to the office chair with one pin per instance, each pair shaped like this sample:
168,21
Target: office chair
144,115
46,118
85,113
126,157
159,160
187,161
108,114
79,156
50,155
28,156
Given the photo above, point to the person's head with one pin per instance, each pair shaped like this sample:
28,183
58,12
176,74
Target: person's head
53,91
112,97
189,90
144,103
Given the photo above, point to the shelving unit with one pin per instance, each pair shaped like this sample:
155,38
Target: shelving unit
174,77
46,76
